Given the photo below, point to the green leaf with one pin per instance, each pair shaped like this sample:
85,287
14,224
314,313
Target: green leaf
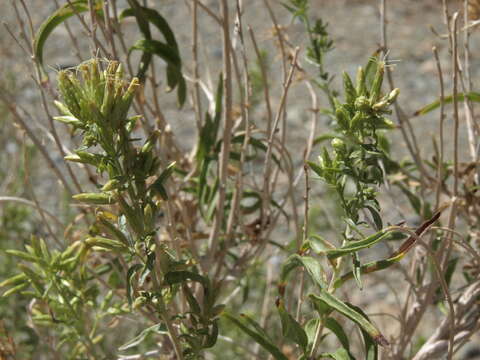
155,329
16,289
371,348
175,277
396,256
140,17
167,172
452,264
357,272
212,337
377,219
371,68
313,267
259,337
319,245
250,322
58,17
353,315
161,49
104,198
316,168
174,65
138,11
311,328
150,15
208,133
106,243
340,354
322,138
161,23
130,274
472,96
291,329
355,246
158,184
192,302
256,143
33,276
369,268
333,325
415,201
23,255
14,280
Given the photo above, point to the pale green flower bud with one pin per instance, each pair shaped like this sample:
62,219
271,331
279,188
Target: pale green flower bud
338,145
350,92
377,82
95,198
362,103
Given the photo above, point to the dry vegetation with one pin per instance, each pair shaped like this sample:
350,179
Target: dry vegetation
228,192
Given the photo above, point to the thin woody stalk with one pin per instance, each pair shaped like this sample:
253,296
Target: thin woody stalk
214,238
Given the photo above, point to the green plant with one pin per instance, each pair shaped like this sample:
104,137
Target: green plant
182,247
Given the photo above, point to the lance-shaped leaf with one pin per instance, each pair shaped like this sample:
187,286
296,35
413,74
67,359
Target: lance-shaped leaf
106,243
212,336
14,280
371,348
291,329
325,297
155,329
24,256
58,17
159,21
357,273
310,264
244,323
16,289
396,256
158,185
355,246
311,328
208,133
140,16
130,276
174,65
333,325
472,96
176,277
340,354
377,219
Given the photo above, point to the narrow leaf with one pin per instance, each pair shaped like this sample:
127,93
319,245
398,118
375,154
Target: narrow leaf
340,354
472,96
158,185
130,274
313,267
23,255
58,17
333,325
355,246
264,342
311,328
174,65
155,329
345,310
291,329
396,256
175,277
371,348
377,219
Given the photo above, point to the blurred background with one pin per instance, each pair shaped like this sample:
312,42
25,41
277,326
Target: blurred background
414,27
